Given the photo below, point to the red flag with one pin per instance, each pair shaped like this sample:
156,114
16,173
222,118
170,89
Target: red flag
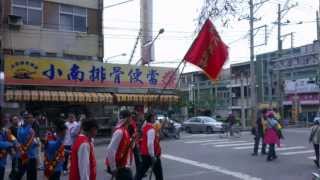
208,51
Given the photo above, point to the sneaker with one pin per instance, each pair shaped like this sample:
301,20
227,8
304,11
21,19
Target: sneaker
263,153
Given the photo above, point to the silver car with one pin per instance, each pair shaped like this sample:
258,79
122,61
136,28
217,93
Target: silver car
202,124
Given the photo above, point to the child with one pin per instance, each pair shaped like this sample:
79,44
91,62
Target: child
54,153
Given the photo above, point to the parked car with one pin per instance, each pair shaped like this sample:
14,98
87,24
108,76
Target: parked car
202,124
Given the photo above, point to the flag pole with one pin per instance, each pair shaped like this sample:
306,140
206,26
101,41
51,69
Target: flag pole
171,76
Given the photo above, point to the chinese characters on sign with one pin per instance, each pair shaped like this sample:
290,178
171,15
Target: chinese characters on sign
53,72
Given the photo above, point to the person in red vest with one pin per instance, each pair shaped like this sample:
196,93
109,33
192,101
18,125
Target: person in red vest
134,135
150,149
83,161
120,149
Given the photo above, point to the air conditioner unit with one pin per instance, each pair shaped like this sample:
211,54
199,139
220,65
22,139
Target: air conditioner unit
15,21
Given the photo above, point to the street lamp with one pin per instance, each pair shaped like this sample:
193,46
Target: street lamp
161,31
148,45
111,57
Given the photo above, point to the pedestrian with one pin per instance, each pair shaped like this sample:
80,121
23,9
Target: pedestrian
231,120
26,137
7,142
258,132
315,139
133,132
14,121
83,161
68,141
271,136
119,150
150,149
54,152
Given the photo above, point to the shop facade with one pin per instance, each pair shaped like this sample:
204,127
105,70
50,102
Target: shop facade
56,87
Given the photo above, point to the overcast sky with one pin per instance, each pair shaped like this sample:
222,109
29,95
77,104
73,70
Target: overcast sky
178,18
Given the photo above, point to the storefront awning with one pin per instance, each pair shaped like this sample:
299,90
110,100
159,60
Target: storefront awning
145,99
58,96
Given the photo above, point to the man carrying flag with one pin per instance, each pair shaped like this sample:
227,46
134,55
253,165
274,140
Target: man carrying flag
208,51
150,149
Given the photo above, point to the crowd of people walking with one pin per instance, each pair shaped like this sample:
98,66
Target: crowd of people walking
66,148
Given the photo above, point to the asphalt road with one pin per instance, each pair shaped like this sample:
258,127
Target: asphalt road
209,157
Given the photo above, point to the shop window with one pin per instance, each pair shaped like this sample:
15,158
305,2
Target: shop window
29,10
73,18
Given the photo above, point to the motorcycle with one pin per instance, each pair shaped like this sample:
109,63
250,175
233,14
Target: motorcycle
171,129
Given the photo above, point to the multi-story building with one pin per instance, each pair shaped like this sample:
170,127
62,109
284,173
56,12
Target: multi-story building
52,56
67,29
240,91
200,93
288,78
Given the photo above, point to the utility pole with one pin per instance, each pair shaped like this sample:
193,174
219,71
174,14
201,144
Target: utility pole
146,18
281,14
279,30
243,120
318,26
252,66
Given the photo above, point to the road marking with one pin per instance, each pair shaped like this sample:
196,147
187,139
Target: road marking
226,142
236,144
311,157
202,141
244,147
222,170
297,152
199,135
290,148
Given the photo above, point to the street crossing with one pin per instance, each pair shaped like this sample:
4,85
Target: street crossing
241,144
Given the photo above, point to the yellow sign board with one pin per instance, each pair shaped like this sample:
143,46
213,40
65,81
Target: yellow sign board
23,70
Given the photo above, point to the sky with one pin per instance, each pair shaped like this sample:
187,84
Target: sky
178,18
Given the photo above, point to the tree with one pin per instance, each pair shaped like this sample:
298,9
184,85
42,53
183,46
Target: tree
223,10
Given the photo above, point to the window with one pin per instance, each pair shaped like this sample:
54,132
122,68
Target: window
29,10
73,18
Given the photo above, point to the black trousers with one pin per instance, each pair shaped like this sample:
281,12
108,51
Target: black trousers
14,168
256,144
66,157
316,151
2,173
146,164
124,174
55,176
137,157
272,152
30,167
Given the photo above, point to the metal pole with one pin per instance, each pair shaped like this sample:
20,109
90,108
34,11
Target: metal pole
279,29
318,26
146,17
243,120
252,67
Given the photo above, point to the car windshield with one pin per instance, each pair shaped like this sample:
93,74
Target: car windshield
209,120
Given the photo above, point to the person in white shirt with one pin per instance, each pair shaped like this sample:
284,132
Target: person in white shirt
71,125
119,151
83,161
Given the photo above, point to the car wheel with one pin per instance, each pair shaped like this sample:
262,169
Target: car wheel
177,135
188,130
210,130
